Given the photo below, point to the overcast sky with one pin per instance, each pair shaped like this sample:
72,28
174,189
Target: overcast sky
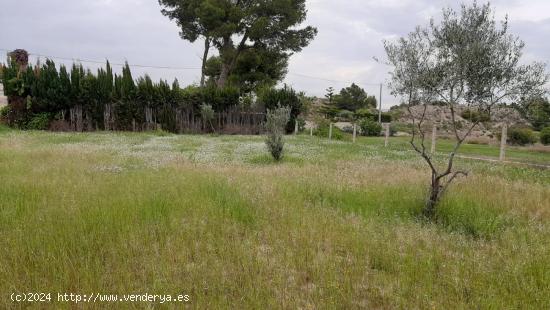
350,35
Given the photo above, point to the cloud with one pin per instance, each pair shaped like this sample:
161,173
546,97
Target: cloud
350,35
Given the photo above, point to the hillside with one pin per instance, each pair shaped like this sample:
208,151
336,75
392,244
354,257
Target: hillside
441,116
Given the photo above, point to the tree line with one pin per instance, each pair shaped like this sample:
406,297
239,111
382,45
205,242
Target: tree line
75,98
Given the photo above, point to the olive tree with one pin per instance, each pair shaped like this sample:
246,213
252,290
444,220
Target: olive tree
468,59
275,130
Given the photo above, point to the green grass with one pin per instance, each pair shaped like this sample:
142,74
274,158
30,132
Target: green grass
334,225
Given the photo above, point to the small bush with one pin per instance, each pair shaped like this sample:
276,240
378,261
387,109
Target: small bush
370,128
364,113
207,115
39,122
545,136
475,116
275,128
4,111
345,115
521,136
386,117
323,129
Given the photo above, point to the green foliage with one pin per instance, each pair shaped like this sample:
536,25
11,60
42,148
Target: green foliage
536,111
270,31
207,115
219,98
370,128
353,98
323,130
545,136
272,98
254,68
346,115
39,121
142,102
364,113
4,112
276,121
329,110
475,116
372,115
521,136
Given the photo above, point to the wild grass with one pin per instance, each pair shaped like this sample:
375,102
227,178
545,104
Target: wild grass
334,225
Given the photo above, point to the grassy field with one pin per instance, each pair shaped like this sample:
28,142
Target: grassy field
335,225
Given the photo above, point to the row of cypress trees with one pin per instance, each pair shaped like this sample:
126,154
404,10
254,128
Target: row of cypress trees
83,100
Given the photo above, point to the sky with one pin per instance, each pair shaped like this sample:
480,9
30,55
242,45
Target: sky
351,35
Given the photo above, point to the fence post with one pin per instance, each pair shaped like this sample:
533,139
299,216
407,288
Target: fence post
387,125
434,137
296,127
503,140
311,131
354,132
330,132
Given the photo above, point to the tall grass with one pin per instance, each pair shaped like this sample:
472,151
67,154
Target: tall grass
334,226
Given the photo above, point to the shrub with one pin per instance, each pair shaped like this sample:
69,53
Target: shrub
545,136
323,129
275,129
475,116
207,115
370,128
364,113
4,112
386,117
521,136
272,98
345,115
39,122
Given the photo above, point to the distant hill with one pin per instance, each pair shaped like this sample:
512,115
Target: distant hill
441,116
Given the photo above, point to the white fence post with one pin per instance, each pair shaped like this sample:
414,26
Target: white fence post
330,132
354,132
296,127
434,138
503,140
311,131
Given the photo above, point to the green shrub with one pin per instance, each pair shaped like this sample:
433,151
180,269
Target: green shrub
364,113
275,129
386,117
545,136
39,122
475,116
323,129
521,136
370,128
272,98
4,111
345,115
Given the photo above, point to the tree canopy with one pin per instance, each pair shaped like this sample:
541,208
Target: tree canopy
236,26
353,98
